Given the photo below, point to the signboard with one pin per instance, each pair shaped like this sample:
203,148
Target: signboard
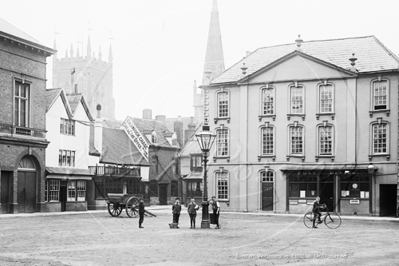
293,202
136,137
354,201
302,201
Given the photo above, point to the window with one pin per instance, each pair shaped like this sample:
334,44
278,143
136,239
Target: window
267,176
380,138
267,101
76,191
223,104
326,98
66,158
222,185
196,163
21,104
267,140
355,186
297,99
296,139
174,189
222,142
133,186
52,190
303,186
67,127
194,189
325,140
105,186
380,89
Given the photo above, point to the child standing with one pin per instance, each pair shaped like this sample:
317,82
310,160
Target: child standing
141,212
176,209
192,211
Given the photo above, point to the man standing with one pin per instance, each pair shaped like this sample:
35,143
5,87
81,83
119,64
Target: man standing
216,211
192,211
141,212
176,209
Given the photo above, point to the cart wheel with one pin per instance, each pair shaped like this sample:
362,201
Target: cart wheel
114,209
131,207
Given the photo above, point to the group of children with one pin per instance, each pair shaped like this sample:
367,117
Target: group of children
192,209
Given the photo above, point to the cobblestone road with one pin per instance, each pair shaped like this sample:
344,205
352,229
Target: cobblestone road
245,239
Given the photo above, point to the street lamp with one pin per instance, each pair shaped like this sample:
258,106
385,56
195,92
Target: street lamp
205,140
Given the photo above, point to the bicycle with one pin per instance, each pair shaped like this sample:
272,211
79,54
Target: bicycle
331,220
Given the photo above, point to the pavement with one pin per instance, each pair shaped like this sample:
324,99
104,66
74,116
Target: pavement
167,209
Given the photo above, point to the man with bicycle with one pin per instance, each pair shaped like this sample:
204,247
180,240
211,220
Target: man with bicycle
317,206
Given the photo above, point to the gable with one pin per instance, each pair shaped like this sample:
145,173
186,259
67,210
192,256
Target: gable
299,67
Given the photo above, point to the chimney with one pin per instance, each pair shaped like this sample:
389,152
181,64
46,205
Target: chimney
98,131
147,114
178,128
160,118
188,133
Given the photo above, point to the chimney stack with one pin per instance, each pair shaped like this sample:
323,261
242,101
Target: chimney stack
160,118
147,114
188,133
178,128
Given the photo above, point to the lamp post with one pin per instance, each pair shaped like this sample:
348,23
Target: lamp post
205,140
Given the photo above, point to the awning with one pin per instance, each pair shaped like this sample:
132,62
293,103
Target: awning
69,177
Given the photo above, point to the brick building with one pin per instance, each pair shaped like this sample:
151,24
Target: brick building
22,120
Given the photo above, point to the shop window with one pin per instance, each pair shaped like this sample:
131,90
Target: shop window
302,186
194,189
76,191
133,186
52,191
355,186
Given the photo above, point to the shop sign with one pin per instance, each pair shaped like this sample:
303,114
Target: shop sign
353,201
293,202
302,201
136,137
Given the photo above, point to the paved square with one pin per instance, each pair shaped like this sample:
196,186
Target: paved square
245,239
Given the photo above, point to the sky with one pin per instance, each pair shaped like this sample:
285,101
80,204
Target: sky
159,45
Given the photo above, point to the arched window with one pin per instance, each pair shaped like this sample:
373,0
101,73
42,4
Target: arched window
296,140
379,137
326,98
268,102
297,99
267,176
26,163
325,139
222,104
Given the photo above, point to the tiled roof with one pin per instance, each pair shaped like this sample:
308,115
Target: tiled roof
111,124
146,125
67,171
74,100
118,149
371,56
51,95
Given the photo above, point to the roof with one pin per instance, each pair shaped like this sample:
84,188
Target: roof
118,149
371,56
10,31
52,95
74,99
146,125
67,171
112,124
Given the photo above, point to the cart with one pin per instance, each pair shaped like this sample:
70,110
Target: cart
117,202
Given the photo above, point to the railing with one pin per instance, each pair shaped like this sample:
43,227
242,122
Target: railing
114,171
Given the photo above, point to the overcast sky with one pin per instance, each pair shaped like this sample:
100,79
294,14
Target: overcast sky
159,45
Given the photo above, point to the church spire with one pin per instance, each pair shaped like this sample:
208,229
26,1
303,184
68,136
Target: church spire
214,60
88,47
110,58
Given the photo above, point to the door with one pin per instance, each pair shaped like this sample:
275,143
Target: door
6,180
63,195
327,192
163,195
267,196
26,191
388,200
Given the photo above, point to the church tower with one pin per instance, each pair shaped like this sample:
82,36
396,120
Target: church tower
214,62
88,75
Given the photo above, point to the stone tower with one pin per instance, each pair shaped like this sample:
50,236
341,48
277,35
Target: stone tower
214,62
88,75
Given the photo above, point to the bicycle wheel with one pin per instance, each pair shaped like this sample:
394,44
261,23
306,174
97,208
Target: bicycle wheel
332,220
308,219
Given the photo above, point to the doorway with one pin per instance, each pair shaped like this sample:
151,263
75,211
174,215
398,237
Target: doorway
26,192
327,191
267,196
6,181
388,198
63,195
163,194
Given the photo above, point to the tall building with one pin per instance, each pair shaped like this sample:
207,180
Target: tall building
87,74
23,129
307,119
213,65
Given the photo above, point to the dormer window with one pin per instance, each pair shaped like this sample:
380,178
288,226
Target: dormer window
153,137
